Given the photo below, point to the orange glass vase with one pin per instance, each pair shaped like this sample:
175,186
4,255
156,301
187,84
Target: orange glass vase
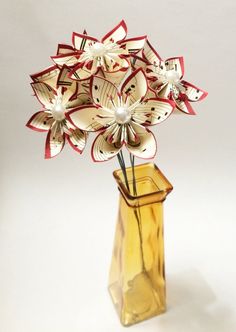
137,273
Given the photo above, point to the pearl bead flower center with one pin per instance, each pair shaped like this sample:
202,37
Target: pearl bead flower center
122,115
98,50
172,76
58,110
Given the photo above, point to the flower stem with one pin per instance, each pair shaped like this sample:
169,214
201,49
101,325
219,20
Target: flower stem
123,168
133,174
137,212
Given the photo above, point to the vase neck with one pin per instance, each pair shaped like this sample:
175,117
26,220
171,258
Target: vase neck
151,185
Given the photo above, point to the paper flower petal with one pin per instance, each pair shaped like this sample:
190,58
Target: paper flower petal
135,86
145,145
63,78
78,100
138,62
151,93
68,94
184,106
103,92
80,41
55,141
83,71
44,93
77,140
116,77
194,93
177,64
69,59
150,54
87,117
102,150
40,121
84,86
48,76
64,49
117,34
156,73
133,45
153,111
67,87
115,63
164,91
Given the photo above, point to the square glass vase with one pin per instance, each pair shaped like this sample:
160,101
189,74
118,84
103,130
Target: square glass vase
137,272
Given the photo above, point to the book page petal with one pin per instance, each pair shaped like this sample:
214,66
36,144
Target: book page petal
102,150
55,141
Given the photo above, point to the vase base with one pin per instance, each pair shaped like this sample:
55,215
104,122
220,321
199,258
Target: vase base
139,302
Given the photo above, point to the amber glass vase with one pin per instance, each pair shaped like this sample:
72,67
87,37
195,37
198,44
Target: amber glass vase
137,273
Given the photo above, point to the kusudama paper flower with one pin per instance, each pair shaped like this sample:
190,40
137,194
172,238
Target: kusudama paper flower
166,78
88,54
57,93
122,116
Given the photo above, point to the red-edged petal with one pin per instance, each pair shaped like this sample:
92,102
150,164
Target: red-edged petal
150,54
117,34
103,92
153,111
69,87
64,49
176,64
69,94
151,93
63,77
40,121
55,141
86,117
164,90
115,63
80,41
69,59
78,100
77,140
48,76
135,86
45,73
145,146
82,72
184,105
193,93
138,62
133,45
44,93
116,77
102,150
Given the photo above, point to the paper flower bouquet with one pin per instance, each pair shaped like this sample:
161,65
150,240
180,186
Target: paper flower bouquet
117,89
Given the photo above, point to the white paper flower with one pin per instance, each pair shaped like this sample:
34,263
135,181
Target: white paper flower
122,116
166,78
89,54
56,99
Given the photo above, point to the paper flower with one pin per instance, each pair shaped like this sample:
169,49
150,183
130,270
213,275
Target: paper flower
166,77
122,116
57,98
88,54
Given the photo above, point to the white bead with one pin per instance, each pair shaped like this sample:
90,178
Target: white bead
172,76
98,50
122,115
58,111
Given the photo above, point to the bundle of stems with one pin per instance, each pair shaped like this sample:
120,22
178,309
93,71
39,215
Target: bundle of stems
137,211
121,160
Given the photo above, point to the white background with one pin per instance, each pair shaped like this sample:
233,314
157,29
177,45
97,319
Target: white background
57,217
